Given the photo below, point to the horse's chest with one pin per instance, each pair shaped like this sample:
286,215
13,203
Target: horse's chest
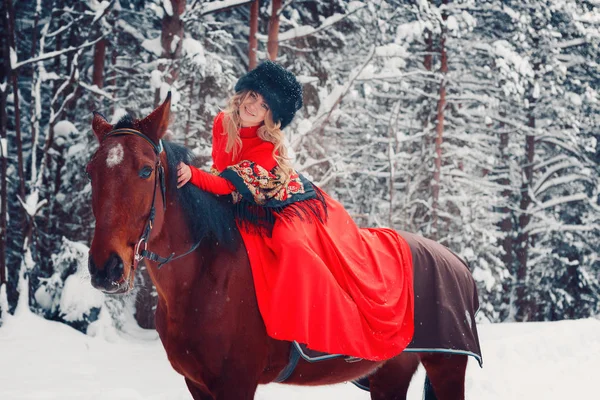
192,349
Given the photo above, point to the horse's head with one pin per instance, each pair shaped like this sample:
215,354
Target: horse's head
127,183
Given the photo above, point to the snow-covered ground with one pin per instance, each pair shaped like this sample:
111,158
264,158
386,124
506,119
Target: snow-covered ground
40,359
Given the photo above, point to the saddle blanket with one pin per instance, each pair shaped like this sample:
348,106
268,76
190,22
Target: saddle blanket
445,306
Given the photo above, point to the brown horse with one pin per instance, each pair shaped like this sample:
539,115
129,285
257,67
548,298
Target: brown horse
207,314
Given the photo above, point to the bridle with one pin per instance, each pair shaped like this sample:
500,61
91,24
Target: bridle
159,180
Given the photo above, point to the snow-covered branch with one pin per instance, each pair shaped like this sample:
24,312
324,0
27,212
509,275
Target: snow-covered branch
335,97
53,54
303,31
216,6
557,201
95,89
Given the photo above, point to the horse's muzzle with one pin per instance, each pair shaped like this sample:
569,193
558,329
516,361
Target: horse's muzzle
110,278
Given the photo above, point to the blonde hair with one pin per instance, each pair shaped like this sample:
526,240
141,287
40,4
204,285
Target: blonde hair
269,132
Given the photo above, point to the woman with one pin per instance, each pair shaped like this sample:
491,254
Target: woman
319,279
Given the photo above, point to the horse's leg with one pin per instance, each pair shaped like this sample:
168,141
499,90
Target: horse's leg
195,391
238,389
391,381
446,373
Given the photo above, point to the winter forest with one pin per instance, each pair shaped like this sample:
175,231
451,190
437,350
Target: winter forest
474,123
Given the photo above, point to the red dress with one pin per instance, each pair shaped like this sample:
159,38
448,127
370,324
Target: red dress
328,284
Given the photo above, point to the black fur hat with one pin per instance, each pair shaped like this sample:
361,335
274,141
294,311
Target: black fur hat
279,87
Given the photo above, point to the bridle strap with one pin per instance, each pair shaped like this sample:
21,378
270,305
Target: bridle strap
158,148
159,180
163,260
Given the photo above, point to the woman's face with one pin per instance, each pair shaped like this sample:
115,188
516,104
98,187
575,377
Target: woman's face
253,109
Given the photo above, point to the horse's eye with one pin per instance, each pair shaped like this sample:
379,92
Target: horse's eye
146,172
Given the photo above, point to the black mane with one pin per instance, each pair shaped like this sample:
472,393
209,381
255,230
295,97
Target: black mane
207,215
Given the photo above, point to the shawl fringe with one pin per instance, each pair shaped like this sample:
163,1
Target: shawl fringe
260,219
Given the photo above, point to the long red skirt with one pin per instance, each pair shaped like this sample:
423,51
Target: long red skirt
337,288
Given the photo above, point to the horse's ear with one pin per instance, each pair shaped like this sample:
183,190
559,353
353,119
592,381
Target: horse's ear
155,125
100,126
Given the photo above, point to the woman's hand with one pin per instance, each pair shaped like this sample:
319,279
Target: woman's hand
184,173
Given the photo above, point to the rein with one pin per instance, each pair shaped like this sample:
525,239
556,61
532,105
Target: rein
159,179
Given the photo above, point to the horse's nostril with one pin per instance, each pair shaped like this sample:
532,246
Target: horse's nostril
114,268
91,266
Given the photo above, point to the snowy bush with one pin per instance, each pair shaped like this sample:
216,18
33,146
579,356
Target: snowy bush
68,295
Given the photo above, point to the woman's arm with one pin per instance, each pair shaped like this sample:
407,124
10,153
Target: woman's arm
203,180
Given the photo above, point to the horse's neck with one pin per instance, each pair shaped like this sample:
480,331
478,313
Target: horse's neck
175,279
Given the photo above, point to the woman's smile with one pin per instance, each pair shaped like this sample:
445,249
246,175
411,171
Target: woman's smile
253,110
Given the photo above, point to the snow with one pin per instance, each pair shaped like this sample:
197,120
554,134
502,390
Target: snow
485,276
31,205
153,46
175,94
391,50
536,91
354,5
306,30
3,147
295,32
97,90
99,8
158,10
452,23
49,360
574,99
168,7
504,50
156,79
76,149
194,49
119,113
79,297
511,13
13,58
213,6
175,43
64,128
131,30
409,31
329,99
303,127
3,299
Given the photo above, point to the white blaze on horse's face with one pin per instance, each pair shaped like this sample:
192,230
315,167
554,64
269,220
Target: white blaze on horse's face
115,156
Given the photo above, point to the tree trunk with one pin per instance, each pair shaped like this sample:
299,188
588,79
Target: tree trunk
10,28
428,61
35,100
273,38
34,37
99,55
437,169
506,225
523,303
112,82
171,39
4,75
188,122
252,40
98,72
